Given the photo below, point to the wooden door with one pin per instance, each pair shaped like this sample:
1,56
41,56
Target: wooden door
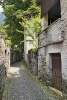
56,71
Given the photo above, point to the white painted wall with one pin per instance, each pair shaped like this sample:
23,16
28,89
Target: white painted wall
27,46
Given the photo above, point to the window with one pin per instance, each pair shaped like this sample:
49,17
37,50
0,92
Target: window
54,13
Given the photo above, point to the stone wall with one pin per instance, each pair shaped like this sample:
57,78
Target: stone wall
33,61
54,40
2,78
4,63
4,52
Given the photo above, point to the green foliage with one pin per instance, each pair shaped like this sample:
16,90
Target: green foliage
16,12
12,22
32,27
9,43
3,30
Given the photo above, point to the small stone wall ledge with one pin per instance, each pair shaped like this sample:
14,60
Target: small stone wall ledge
54,42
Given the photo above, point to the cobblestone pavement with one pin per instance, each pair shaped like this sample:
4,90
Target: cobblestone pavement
22,85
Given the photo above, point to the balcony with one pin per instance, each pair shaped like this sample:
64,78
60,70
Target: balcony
53,34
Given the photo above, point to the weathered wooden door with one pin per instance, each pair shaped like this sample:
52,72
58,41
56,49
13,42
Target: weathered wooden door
56,71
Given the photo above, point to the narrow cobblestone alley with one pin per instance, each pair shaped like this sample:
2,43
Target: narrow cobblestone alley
22,85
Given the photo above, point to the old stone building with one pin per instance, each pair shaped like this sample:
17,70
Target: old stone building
52,50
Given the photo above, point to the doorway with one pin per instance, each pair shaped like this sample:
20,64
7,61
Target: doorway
56,71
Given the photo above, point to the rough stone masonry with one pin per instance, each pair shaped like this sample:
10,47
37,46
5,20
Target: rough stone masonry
53,40
4,63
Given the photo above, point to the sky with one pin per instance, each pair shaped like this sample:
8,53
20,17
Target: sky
1,9
2,17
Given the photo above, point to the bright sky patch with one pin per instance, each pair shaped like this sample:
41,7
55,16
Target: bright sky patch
1,9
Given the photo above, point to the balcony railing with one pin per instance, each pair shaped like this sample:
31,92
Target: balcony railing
52,34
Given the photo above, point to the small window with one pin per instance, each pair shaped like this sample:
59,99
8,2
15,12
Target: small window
54,13
5,51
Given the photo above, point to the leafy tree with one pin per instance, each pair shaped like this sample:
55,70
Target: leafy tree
31,23
16,11
32,27
12,23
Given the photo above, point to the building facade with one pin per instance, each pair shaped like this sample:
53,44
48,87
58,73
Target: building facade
52,42
27,47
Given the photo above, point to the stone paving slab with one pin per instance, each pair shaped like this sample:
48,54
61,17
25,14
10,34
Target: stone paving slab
22,85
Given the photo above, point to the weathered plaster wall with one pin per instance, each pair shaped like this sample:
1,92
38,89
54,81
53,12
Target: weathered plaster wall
63,7
52,34
54,40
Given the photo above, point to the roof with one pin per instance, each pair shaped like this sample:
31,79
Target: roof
46,5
